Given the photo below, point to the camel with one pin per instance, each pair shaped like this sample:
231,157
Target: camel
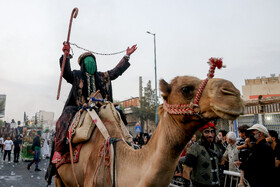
155,163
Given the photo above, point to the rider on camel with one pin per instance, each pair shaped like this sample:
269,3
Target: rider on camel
84,82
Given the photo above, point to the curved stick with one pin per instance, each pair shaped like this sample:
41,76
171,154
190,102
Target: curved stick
73,15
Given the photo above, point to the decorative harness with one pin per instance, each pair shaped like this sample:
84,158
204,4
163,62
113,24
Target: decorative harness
193,108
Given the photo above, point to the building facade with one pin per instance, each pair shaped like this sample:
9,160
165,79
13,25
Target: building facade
46,119
262,102
132,120
265,86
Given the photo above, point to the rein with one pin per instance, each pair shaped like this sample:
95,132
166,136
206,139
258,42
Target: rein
107,152
193,108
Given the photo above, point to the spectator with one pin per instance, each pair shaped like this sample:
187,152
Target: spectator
36,147
179,168
231,157
258,168
201,162
8,146
190,143
145,140
141,139
242,145
222,140
222,145
46,147
17,145
273,140
231,153
1,143
147,136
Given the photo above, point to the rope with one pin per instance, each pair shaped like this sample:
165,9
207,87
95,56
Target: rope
71,132
96,53
179,109
103,151
213,62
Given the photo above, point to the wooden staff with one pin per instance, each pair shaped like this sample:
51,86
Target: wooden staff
66,52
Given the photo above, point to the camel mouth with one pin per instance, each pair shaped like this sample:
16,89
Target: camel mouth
226,113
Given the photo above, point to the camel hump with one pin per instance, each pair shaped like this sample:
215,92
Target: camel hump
108,112
84,124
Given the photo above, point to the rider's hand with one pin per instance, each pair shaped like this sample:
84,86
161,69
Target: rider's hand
131,50
66,48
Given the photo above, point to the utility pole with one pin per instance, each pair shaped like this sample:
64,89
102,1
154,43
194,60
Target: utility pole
156,103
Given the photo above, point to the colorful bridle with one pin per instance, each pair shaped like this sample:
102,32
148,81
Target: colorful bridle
193,108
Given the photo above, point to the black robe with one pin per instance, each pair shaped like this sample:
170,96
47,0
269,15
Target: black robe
79,93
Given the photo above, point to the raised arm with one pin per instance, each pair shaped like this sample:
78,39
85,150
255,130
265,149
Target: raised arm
131,50
67,74
123,64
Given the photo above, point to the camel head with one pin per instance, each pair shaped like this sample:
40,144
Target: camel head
219,99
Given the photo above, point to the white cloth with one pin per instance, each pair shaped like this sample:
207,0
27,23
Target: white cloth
8,145
1,141
46,149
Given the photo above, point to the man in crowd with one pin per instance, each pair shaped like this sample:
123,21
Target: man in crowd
46,148
231,157
273,140
242,145
1,143
8,146
36,148
17,144
258,168
231,153
222,140
201,163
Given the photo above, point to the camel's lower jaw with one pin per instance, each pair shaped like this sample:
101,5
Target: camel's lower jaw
225,113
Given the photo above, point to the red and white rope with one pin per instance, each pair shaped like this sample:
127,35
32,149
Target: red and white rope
179,109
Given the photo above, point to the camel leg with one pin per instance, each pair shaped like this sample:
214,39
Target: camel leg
58,182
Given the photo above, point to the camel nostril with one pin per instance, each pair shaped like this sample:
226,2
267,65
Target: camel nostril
227,88
227,91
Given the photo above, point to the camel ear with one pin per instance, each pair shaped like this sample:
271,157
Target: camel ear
165,88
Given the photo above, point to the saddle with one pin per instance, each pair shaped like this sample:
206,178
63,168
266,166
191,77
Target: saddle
84,123
81,130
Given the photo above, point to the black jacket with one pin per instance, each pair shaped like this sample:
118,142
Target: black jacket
79,92
259,165
36,142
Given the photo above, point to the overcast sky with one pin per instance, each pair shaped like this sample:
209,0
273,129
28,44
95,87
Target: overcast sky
188,33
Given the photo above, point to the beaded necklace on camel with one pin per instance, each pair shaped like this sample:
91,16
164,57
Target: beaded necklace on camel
193,107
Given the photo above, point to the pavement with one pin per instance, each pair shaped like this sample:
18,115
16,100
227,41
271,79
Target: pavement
16,174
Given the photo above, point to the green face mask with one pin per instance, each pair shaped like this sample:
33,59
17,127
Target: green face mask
90,65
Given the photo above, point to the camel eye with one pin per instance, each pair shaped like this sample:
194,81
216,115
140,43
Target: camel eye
188,91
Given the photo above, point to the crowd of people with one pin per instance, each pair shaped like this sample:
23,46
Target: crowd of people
255,155
40,147
7,145
141,139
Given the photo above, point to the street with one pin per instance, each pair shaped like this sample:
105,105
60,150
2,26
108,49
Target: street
16,174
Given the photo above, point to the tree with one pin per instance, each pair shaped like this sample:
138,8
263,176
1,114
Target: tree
2,106
2,123
147,108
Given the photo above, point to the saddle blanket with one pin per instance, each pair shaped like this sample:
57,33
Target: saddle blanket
66,157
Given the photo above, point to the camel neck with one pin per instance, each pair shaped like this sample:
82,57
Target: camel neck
170,138
158,159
